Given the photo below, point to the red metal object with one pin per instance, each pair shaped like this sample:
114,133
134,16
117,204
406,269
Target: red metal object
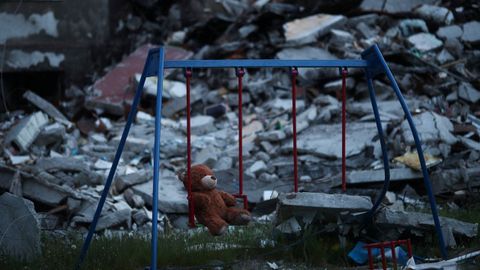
294,124
240,72
344,72
391,245
191,208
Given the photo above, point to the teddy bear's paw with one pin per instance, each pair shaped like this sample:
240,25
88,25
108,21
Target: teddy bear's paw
244,219
223,230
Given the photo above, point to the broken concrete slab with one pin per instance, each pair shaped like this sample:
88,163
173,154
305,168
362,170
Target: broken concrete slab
293,204
392,6
436,14
431,128
65,170
467,92
123,182
122,214
424,221
19,227
257,168
36,189
449,32
46,107
424,42
375,176
172,196
471,32
26,131
409,27
308,52
318,140
113,91
200,124
449,181
307,30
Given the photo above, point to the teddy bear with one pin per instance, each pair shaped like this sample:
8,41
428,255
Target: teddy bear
213,208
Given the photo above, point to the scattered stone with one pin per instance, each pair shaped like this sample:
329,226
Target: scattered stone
290,204
199,124
47,107
471,32
448,32
444,57
409,27
373,176
123,182
26,131
257,168
392,6
468,93
431,127
436,14
307,30
423,221
132,199
19,227
172,196
424,42
318,140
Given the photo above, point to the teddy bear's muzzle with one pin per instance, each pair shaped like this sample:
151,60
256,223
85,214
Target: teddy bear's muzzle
209,181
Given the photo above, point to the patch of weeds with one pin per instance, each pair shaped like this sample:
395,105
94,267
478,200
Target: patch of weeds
178,248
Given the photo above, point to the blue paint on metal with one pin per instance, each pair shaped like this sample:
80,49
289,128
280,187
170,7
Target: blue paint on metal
373,63
426,179
386,165
108,183
156,157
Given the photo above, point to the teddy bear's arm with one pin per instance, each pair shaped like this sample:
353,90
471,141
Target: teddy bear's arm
228,198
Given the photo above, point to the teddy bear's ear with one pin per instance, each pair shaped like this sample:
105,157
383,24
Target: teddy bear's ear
181,174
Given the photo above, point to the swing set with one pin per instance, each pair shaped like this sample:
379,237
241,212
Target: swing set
372,63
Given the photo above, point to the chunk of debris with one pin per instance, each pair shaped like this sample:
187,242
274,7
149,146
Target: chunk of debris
307,30
424,42
392,6
436,14
123,182
291,204
172,196
431,127
373,176
424,221
471,32
113,90
46,107
26,131
449,32
467,92
19,227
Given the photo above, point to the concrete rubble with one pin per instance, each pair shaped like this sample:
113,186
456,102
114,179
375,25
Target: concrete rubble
58,153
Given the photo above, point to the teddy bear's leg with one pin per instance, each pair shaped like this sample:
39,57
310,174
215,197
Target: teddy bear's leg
216,225
237,216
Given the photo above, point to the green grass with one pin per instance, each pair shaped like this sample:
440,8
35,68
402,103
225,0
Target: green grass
133,252
239,246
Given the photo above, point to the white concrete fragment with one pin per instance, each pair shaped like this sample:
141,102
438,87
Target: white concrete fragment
308,29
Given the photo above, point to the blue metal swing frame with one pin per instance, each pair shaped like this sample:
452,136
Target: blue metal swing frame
372,63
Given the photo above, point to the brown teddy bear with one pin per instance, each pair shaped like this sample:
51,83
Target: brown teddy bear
213,208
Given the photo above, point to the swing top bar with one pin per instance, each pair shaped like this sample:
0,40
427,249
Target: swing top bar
153,57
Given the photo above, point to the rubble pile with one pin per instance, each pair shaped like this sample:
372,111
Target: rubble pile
60,163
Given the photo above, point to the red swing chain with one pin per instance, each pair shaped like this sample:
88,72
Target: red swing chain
344,73
240,72
294,72
191,208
